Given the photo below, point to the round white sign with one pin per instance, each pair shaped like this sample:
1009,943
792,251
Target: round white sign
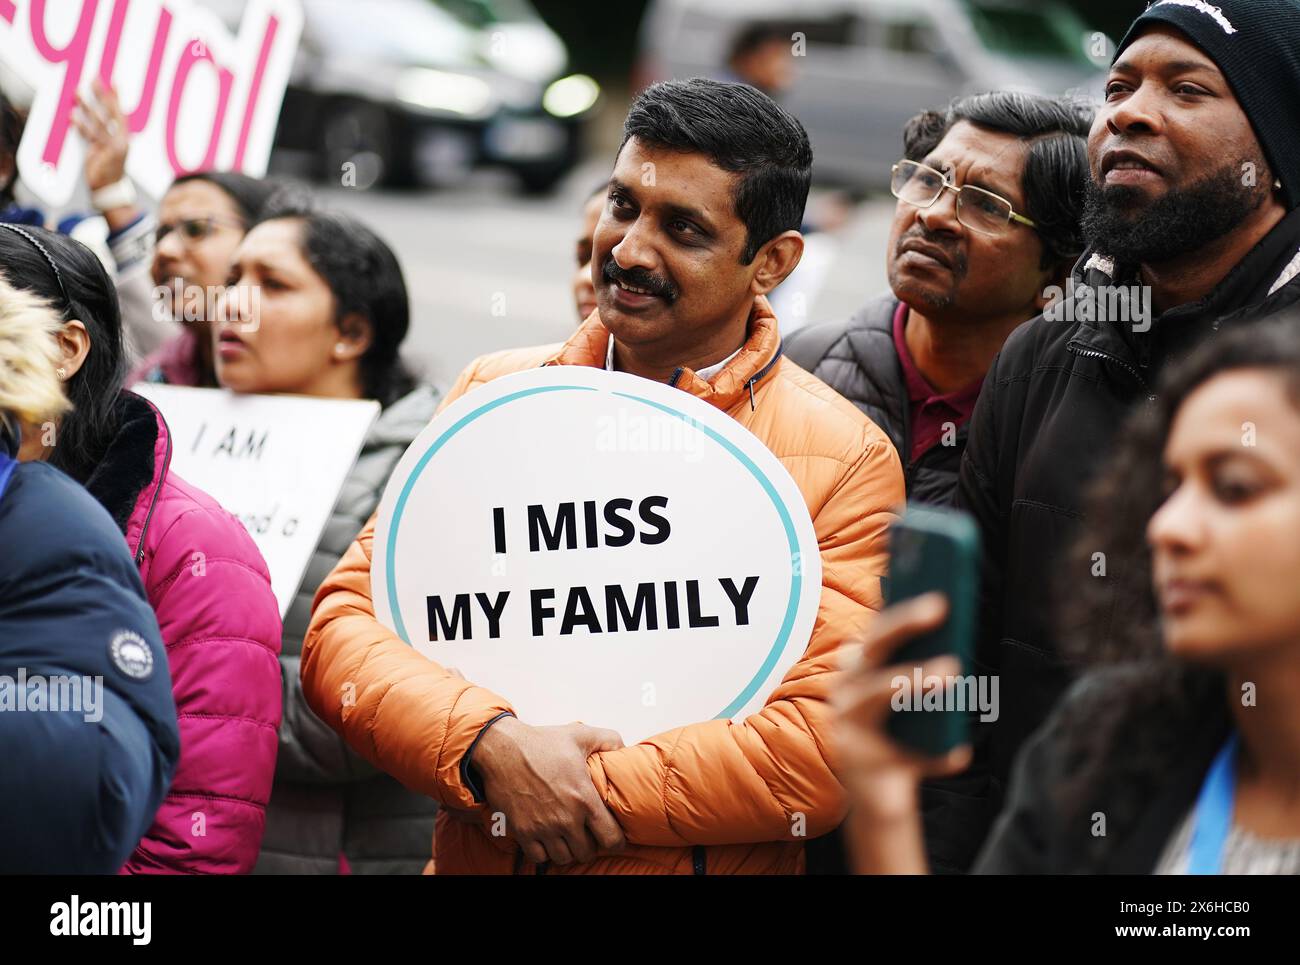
599,547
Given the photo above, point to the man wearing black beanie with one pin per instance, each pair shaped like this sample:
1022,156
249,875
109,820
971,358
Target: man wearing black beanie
1193,225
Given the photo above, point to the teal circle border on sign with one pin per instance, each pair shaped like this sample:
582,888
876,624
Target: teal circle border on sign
792,605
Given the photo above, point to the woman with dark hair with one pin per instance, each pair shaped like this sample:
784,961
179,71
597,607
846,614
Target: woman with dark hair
203,576
318,306
92,768
1179,752
201,221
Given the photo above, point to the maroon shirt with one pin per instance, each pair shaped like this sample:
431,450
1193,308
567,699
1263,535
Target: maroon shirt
930,410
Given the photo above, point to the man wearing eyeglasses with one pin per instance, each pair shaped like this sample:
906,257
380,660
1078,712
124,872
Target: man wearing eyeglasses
989,197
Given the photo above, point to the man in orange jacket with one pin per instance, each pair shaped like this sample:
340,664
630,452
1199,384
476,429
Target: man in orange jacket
700,223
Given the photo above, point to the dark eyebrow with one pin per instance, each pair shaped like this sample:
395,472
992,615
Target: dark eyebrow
1002,193
672,210
690,214
1218,457
974,183
1173,67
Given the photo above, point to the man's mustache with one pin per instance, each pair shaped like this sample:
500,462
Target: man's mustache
955,256
639,278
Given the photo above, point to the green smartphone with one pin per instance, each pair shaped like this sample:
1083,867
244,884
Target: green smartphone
934,549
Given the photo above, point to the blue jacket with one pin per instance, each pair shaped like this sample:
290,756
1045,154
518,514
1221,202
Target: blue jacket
88,736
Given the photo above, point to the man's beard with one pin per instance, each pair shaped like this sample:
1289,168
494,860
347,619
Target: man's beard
1119,223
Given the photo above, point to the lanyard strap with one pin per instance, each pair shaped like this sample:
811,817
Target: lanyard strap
1214,813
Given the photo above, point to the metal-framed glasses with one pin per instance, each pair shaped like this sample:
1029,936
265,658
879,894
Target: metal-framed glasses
983,211
194,230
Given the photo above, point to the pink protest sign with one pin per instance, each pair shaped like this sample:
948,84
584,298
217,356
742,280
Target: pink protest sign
195,96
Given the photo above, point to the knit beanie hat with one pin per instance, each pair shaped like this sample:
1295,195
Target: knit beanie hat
1256,45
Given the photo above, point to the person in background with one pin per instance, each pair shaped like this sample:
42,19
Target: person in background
117,234
203,576
761,55
71,605
328,320
990,192
186,248
584,292
201,221
1184,734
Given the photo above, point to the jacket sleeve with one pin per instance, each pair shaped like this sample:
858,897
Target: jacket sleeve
958,811
311,752
400,710
771,776
93,774
132,250
212,594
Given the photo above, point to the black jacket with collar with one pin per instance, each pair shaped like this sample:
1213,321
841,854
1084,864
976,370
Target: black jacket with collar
857,359
1044,425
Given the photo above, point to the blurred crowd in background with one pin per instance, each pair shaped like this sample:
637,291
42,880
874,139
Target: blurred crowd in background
470,133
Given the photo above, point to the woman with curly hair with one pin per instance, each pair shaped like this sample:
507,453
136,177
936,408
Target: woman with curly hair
1178,750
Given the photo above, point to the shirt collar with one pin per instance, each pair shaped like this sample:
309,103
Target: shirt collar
919,390
706,373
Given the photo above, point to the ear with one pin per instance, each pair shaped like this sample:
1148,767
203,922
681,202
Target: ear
74,347
356,334
775,260
1051,277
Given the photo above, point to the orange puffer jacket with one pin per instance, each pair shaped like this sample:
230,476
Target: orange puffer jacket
716,796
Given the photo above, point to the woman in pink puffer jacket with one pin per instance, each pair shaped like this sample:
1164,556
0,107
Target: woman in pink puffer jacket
205,579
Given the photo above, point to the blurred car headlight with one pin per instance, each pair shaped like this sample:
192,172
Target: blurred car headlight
570,95
440,90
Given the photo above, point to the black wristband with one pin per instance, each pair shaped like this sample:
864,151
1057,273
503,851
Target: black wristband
469,774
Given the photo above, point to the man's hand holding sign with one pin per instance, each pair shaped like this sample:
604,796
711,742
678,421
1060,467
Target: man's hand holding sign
675,553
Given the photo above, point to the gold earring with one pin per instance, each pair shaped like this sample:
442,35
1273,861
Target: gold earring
62,373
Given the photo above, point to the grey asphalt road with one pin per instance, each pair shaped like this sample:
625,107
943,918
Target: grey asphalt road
489,269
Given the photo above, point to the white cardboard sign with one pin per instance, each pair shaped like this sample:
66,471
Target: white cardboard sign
275,461
195,97
599,547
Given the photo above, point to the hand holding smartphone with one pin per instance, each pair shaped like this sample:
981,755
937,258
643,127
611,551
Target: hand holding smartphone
933,549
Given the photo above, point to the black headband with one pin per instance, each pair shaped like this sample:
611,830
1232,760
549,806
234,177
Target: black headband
58,277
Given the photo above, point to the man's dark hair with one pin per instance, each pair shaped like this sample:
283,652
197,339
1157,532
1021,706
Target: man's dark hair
1056,165
739,129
